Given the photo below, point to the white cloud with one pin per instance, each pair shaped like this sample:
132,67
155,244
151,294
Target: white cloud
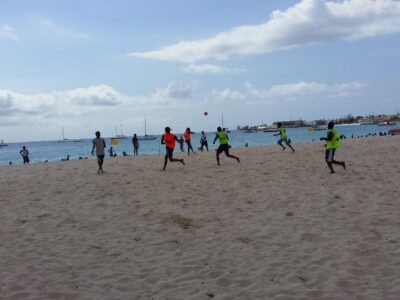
89,100
208,68
56,103
7,32
307,23
301,90
50,28
227,95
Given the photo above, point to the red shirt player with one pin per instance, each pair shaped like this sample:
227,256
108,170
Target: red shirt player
169,139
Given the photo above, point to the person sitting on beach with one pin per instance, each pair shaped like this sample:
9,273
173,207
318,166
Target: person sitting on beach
65,159
203,141
188,140
99,144
111,151
168,139
25,155
332,143
223,138
135,143
284,138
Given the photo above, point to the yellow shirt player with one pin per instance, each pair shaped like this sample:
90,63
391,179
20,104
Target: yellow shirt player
223,144
284,138
332,143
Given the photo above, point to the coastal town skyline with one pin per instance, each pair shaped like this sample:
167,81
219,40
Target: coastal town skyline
92,66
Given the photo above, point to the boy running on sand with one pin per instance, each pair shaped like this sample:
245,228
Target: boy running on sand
284,138
223,144
168,139
99,144
332,143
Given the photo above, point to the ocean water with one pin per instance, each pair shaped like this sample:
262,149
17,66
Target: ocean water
56,150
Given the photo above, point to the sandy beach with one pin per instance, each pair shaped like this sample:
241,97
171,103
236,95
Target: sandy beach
276,226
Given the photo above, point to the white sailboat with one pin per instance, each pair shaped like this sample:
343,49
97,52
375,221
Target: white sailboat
65,140
146,137
120,136
2,144
222,124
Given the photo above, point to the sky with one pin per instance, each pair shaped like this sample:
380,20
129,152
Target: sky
82,66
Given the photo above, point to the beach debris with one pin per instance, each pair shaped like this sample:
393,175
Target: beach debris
211,295
289,214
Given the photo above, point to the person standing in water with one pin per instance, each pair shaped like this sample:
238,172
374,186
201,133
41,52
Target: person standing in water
188,140
135,143
332,143
99,144
203,141
168,139
25,155
223,144
284,138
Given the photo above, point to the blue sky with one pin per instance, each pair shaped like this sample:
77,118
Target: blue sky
92,65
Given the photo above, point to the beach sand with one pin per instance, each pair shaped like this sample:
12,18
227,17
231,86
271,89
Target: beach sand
276,226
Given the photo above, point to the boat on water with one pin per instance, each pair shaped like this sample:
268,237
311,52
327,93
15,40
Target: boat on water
386,123
2,144
146,137
65,140
120,136
317,128
394,131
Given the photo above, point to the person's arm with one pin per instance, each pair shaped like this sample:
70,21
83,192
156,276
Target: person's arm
329,137
176,139
216,137
162,140
227,137
94,145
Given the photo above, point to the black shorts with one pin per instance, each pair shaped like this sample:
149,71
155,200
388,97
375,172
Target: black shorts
100,158
26,159
223,148
329,154
169,153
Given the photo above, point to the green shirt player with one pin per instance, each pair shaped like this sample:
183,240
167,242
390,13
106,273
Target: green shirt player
223,144
284,138
332,143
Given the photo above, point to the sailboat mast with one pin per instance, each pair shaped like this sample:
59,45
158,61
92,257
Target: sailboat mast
145,126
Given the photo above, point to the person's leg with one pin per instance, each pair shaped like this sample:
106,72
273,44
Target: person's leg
206,144
280,144
171,159
329,153
336,162
166,160
289,145
188,146
201,146
219,151
100,160
230,155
